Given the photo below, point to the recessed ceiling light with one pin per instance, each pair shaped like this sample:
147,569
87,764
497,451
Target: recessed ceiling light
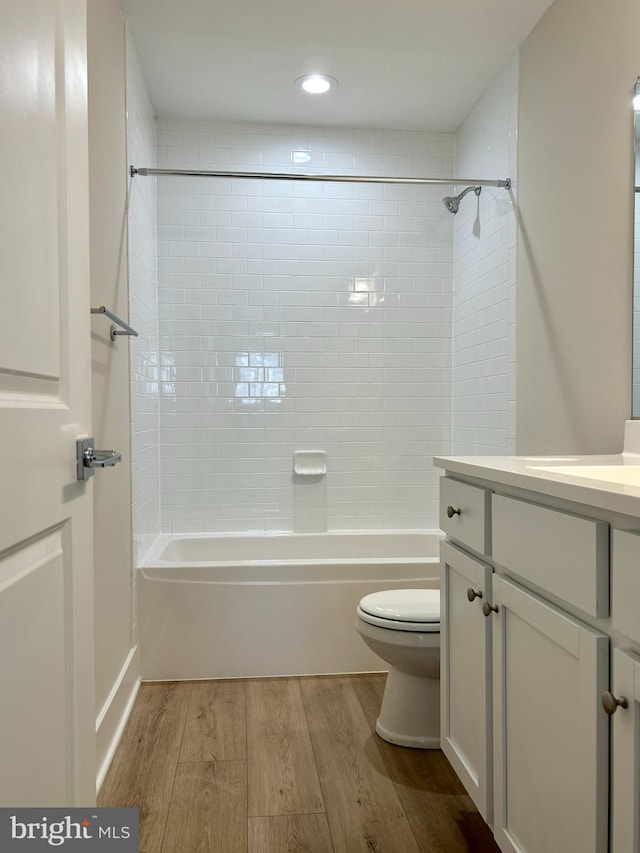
315,84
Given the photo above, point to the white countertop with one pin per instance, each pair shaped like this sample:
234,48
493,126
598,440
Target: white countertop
528,472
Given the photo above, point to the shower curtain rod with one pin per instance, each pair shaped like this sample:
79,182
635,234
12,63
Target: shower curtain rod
283,176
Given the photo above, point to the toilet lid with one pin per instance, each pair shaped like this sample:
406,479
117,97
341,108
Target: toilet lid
404,605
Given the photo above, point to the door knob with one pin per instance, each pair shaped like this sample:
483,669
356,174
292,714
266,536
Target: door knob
472,593
611,703
100,458
88,458
451,511
488,609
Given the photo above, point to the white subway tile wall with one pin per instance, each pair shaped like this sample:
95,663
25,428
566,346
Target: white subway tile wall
484,284
145,398
302,316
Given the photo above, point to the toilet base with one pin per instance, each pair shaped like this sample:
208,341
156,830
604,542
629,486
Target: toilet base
404,740
410,712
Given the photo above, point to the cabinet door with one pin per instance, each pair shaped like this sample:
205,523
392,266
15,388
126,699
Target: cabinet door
625,764
550,735
465,677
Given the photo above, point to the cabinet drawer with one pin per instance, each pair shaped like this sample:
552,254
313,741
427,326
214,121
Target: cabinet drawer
625,583
471,524
566,555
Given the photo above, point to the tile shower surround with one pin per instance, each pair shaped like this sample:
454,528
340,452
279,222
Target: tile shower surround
484,282
143,312
302,316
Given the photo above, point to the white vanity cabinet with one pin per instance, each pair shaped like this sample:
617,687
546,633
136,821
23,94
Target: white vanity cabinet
550,735
465,641
465,637
525,664
624,701
549,672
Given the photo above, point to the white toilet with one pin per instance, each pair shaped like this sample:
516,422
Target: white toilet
402,626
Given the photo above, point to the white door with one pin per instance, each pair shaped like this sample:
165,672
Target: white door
625,759
465,676
550,735
47,730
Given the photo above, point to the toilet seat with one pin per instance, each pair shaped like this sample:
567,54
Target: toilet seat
402,609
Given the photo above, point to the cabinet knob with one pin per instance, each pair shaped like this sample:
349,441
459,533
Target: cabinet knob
451,511
610,702
488,609
471,593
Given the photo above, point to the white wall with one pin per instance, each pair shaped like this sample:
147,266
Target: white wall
342,290
577,70
636,276
145,400
115,643
484,284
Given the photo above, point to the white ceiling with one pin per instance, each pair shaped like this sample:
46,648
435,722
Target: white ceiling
410,64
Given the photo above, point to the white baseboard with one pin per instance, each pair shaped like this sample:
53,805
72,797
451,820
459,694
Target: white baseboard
115,713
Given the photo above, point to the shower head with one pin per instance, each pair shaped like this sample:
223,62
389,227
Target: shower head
452,203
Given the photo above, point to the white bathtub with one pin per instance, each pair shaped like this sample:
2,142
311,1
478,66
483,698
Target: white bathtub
267,605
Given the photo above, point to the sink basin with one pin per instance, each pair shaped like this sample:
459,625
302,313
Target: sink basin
626,475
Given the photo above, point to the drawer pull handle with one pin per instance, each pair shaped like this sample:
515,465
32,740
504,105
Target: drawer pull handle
451,511
610,702
488,609
472,594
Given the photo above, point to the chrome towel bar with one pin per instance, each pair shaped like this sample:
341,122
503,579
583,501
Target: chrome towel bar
128,330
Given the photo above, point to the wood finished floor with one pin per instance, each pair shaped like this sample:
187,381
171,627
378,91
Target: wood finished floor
289,765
